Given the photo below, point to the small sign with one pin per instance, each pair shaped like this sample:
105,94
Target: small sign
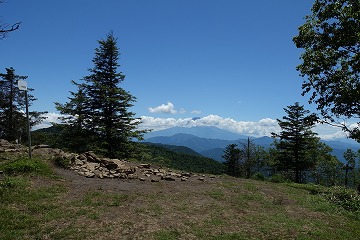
22,85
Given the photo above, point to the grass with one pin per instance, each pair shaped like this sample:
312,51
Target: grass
35,205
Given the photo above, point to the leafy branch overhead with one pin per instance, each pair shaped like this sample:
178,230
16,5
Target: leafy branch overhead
330,64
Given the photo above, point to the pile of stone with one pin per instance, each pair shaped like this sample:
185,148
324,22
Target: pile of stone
7,147
90,165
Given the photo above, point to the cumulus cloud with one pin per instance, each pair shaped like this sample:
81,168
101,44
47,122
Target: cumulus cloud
328,132
263,127
197,112
49,119
168,108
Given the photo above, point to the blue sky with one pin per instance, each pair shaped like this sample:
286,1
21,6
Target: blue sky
228,61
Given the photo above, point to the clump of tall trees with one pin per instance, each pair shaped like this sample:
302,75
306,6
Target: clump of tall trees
13,122
97,115
297,155
244,159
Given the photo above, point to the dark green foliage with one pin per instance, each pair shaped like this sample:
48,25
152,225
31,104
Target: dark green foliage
296,140
61,161
277,178
258,176
245,160
13,122
97,115
158,155
350,171
331,59
329,171
178,149
252,157
232,160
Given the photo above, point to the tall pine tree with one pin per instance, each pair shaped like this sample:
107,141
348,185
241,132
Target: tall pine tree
100,108
295,140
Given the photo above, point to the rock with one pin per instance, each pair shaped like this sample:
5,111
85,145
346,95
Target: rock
175,174
201,179
132,176
41,146
78,162
168,178
142,179
144,165
186,174
155,180
11,150
89,174
183,179
91,166
3,142
111,165
82,157
91,157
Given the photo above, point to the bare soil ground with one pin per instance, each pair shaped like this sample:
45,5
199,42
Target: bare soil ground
216,208
72,206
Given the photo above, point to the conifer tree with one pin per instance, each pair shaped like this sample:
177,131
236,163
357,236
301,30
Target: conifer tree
13,121
350,156
232,160
100,108
295,140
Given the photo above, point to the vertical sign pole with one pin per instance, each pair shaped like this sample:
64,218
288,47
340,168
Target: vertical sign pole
22,85
28,121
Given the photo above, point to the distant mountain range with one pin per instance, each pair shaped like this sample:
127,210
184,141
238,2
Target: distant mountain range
202,132
211,141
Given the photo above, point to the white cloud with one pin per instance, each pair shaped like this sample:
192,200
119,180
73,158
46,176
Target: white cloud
263,127
168,108
328,132
197,112
50,118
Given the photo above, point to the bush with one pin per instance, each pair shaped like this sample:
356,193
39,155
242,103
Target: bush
277,178
258,176
348,199
61,161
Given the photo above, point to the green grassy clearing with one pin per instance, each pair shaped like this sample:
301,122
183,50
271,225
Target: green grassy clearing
36,205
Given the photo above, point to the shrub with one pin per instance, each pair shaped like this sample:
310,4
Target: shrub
61,161
277,178
348,199
258,176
